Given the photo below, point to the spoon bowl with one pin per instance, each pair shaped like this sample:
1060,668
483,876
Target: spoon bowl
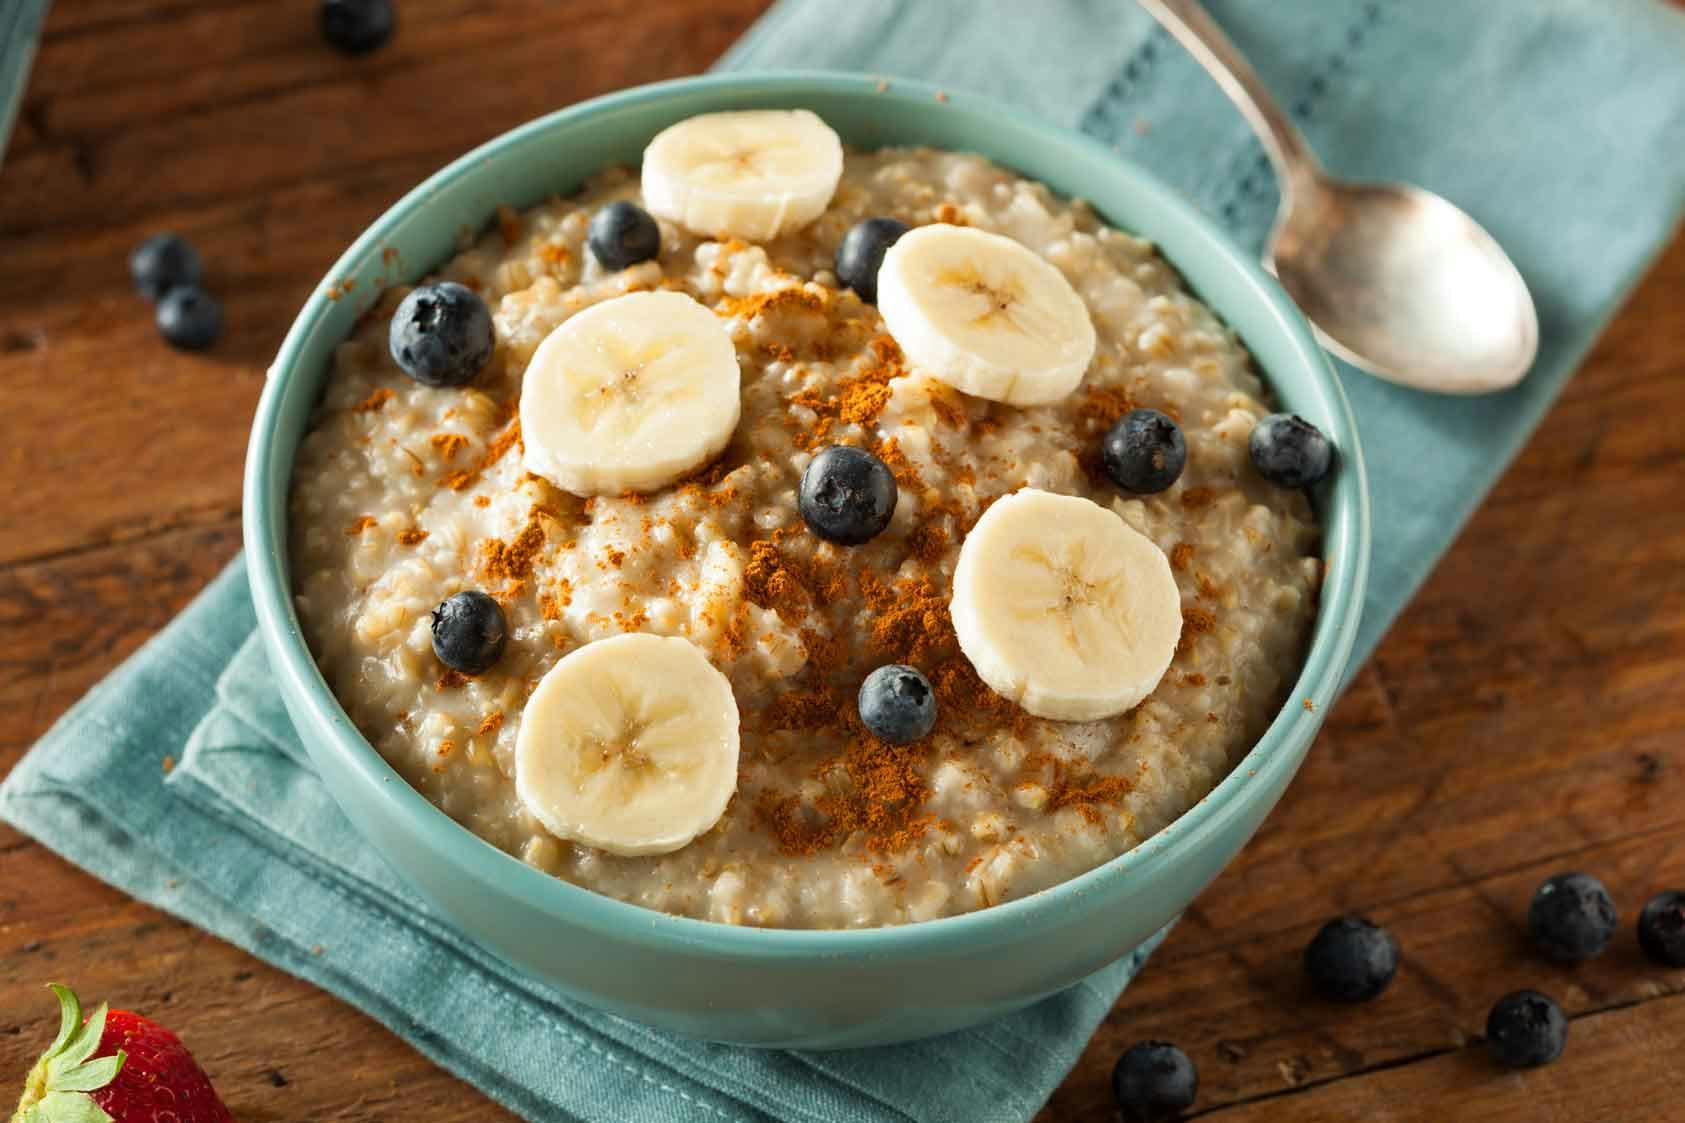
1396,280
1401,283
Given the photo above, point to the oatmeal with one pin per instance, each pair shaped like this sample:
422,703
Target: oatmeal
406,494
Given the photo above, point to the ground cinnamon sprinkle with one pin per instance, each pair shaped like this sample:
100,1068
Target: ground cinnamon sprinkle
492,723
1195,621
513,561
772,582
889,451
376,399
447,445
911,621
960,691
858,401
928,544
451,679
886,789
1103,404
793,298
550,605
411,536
1086,793
804,706
947,407
502,443
823,652
1180,555
1196,497
458,480
363,523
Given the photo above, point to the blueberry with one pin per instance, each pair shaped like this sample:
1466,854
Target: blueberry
441,334
1526,1029
847,495
189,317
1154,1080
1661,928
357,26
163,262
1144,452
897,704
862,252
1289,451
1351,959
623,234
468,632
1572,917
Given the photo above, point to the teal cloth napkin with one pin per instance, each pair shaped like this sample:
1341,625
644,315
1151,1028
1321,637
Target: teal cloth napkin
20,29
1560,124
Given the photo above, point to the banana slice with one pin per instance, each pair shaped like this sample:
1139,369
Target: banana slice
985,315
629,395
629,745
1063,608
754,174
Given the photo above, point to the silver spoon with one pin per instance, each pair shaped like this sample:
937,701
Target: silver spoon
1395,279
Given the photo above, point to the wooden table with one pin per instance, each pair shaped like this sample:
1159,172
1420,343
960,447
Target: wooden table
1525,716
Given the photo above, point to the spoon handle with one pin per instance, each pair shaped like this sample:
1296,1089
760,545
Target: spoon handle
1194,28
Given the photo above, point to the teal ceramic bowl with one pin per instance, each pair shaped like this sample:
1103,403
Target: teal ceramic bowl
775,987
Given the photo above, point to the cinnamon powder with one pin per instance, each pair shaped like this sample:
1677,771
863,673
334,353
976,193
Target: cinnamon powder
773,582
376,399
502,443
884,793
447,445
512,561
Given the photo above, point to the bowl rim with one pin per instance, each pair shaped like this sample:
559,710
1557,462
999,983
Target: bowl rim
1320,677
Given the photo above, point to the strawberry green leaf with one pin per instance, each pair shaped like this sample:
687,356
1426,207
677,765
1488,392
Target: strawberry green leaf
69,1107
56,1089
90,1076
81,1046
70,1016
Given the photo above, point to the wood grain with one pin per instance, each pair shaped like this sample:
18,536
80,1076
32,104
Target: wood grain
1523,717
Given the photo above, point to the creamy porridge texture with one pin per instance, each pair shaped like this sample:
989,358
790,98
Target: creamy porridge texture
405,494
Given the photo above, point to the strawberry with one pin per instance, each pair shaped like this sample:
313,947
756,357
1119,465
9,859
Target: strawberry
116,1067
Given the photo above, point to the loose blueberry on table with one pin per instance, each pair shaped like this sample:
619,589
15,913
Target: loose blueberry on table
469,632
163,262
861,253
1526,1029
357,26
897,704
1144,452
1351,959
1572,918
441,335
188,317
1289,451
847,495
1154,1080
1661,928
623,234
